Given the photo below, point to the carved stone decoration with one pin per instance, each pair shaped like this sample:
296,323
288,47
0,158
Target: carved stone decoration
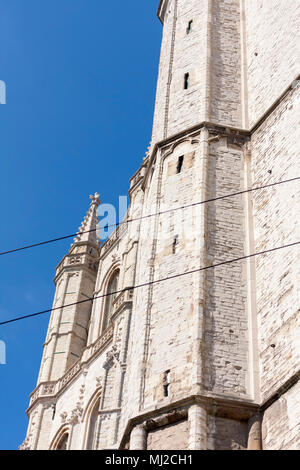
81,392
75,260
99,382
101,342
115,258
112,355
48,389
70,374
77,412
104,417
28,442
35,395
64,417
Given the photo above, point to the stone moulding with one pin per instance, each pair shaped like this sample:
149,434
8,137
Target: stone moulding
102,341
52,389
141,175
114,238
177,411
213,128
70,262
138,176
222,407
161,9
69,375
123,299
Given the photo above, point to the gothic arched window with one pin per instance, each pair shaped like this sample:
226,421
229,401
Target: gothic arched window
112,288
91,443
63,443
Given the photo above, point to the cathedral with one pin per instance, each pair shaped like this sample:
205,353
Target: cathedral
182,330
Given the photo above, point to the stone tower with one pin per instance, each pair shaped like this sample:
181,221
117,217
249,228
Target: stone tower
164,354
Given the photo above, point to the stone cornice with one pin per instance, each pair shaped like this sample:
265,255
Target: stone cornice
217,405
214,128
140,177
222,407
76,261
161,8
220,128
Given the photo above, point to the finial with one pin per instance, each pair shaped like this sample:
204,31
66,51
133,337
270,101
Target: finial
95,199
87,232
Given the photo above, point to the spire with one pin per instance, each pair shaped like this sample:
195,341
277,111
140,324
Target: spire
88,229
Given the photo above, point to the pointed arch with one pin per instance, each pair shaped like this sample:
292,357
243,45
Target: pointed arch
90,418
109,272
111,287
61,439
190,140
96,322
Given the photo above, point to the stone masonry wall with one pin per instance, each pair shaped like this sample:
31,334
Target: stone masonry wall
194,329
276,219
163,76
225,80
210,54
172,315
226,434
226,338
187,107
273,52
172,437
281,422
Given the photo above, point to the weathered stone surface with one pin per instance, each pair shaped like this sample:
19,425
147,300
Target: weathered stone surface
200,358
172,437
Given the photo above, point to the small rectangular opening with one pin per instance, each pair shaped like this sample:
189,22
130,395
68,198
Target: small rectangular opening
190,27
167,381
175,243
186,81
179,164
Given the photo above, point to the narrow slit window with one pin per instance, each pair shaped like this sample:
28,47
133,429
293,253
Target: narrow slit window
167,383
190,27
179,164
187,81
175,243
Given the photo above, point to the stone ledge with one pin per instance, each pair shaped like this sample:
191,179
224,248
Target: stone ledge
228,408
225,408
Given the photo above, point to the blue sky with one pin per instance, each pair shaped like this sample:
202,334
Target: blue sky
81,80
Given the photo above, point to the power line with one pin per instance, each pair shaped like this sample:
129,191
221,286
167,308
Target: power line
212,266
26,247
